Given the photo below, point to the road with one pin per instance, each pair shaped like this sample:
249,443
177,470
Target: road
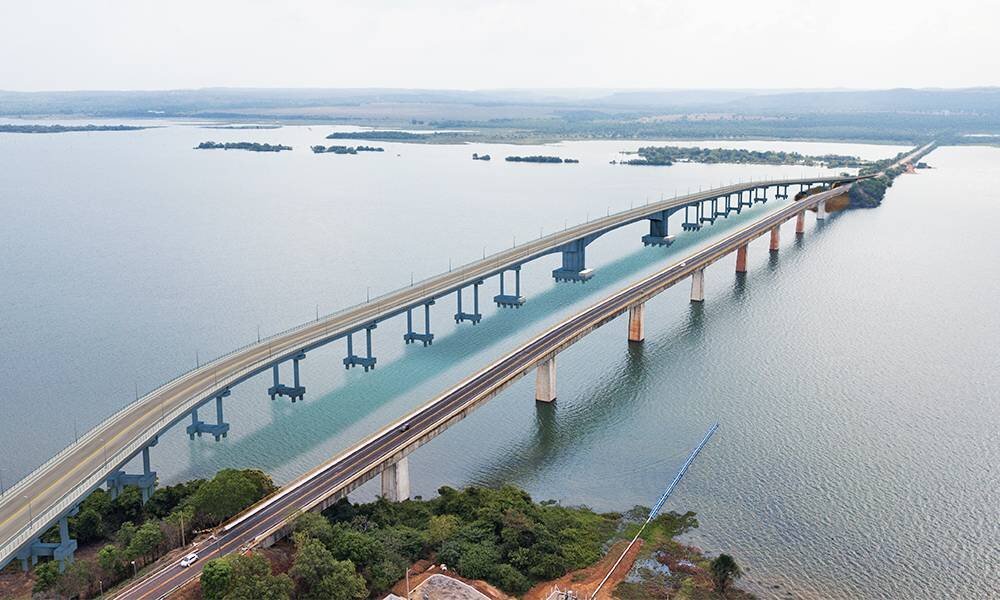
37,501
364,460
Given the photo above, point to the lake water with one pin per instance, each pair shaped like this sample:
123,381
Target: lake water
855,373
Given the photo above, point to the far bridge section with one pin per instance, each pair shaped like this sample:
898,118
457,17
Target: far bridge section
385,454
54,490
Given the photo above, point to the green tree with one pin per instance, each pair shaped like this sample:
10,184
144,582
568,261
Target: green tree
89,526
511,580
215,578
111,559
78,579
359,547
46,576
724,569
478,561
226,494
146,541
342,583
316,526
251,579
125,534
313,562
441,528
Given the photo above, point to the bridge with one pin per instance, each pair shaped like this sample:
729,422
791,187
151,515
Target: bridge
385,453
53,491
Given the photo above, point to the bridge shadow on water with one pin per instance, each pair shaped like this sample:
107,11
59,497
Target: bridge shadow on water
296,430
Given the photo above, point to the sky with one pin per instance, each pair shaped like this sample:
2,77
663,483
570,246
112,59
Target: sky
433,44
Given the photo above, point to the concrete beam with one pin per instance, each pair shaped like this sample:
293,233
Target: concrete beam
545,381
775,238
636,322
741,259
698,286
396,481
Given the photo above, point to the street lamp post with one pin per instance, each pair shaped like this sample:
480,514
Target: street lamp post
135,569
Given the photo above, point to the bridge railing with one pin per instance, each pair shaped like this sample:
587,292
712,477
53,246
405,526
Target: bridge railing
123,455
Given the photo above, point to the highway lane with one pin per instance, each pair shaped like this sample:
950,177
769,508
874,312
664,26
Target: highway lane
363,461
38,500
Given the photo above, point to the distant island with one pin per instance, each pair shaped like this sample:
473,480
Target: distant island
668,155
541,159
251,146
480,156
275,126
383,136
345,149
9,128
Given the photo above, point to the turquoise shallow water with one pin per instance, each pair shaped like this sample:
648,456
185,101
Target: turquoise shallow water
854,374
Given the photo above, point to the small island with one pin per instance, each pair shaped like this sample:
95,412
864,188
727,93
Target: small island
382,136
10,128
274,126
668,155
541,159
250,146
476,156
345,149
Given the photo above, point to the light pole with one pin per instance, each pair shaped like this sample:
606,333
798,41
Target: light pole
100,583
407,583
135,569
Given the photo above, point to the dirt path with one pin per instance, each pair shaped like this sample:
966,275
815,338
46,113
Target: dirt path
585,581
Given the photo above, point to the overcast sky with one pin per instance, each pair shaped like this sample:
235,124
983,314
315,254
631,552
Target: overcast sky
471,44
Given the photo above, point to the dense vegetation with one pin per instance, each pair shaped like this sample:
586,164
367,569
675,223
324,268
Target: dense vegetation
134,532
382,136
668,155
540,159
345,149
65,128
251,146
476,156
499,535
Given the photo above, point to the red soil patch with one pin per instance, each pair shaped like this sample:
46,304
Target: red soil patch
586,580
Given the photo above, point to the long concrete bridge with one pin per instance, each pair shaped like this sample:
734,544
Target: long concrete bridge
53,491
385,453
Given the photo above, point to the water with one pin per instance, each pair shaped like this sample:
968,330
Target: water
854,374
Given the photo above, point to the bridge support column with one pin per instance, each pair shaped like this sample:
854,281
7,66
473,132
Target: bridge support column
474,316
775,238
62,551
219,430
688,224
698,286
368,361
710,219
545,381
747,202
741,259
800,223
297,391
636,322
426,337
574,259
145,482
715,207
396,481
821,211
658,235
505,299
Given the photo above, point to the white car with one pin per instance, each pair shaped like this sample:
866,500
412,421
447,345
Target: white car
188,560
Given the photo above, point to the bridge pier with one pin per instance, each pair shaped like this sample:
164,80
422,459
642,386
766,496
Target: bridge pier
426,337
474,316
145,482
715,207
297,391
62,551
758,196
219,430
821,211
505,299
710,219
781,192
574,263
800,223
698,286
545,380
658,235
775,238
688,225
637,322
747,202
396,481
741,259
368,361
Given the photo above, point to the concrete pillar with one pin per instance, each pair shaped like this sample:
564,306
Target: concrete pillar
821,211
775,238
545,381
636,322
698,286
741,259
800,223
396,481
